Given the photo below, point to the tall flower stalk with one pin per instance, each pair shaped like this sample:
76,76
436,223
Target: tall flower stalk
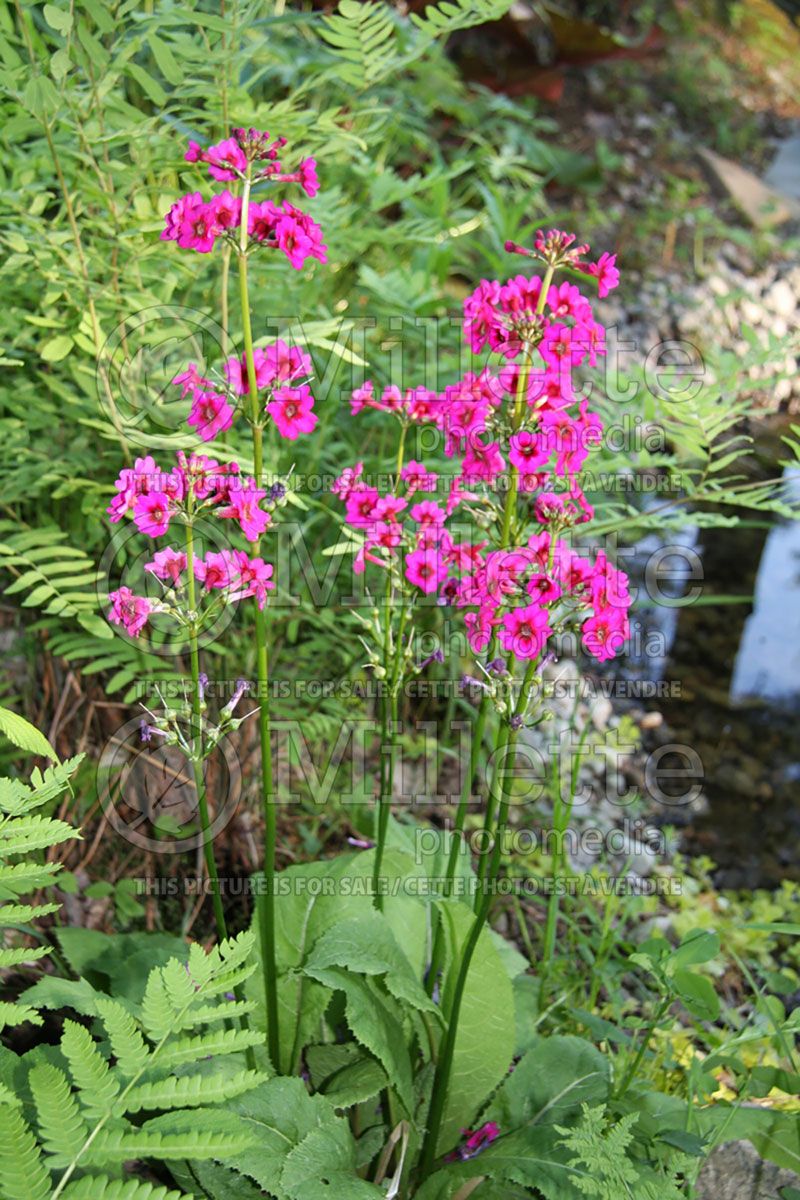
524,589
266,382
267,905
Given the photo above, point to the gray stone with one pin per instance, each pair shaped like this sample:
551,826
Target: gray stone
736,1172
781,299
761,205
784,174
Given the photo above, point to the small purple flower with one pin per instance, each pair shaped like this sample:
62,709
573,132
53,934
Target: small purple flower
471,681
360,843
202,684
516,722
475,1141
497,666
145,733
437,657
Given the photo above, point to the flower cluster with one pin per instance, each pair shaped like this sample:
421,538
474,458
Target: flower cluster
197,224
521,435
155,497
395,526
281,371
195,486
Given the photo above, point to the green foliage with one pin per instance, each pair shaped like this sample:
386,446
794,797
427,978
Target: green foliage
599,1152
146,1059
24,834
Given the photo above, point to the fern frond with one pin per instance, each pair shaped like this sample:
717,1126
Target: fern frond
97,1187
22,1172
365,40
91,1074
83,1113
184,1091
440,20
62,1129
26,832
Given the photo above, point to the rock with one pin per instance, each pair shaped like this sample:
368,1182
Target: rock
601,712
752,313
763,207
651,720
736,1172
781,299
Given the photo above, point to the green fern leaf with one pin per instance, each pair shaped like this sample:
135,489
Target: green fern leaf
91,1073
95,1187
62,1129
23,734
189,1090
127,1044
22,1173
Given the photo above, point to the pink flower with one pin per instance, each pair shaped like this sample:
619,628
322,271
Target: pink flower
308,178
475,1141
197,229
347,481
360,506
151,513
226,211
291,410
418,478
298,236
605,633
524,631
425,569
482,461
210,414
129,611
167,564
190,380
527,451
244,507
276,362
213,571
428,514
605,272
254,577
389,507
226,160
362,397
549,507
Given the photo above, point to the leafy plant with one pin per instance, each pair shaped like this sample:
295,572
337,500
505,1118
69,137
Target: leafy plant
85,1101
24,834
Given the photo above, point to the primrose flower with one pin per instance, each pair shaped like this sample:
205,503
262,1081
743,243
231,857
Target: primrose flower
129,611
244,507
475,1141
167,564
151,513
210,414
524,631
426,569
291,410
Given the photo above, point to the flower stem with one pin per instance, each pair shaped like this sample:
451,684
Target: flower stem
267,905
504,749
389,708
197,743
562,812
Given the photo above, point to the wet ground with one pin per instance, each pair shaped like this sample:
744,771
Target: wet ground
737,664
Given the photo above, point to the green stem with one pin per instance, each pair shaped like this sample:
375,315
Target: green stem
504,750
630,1074
197,743
267,905
562,813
